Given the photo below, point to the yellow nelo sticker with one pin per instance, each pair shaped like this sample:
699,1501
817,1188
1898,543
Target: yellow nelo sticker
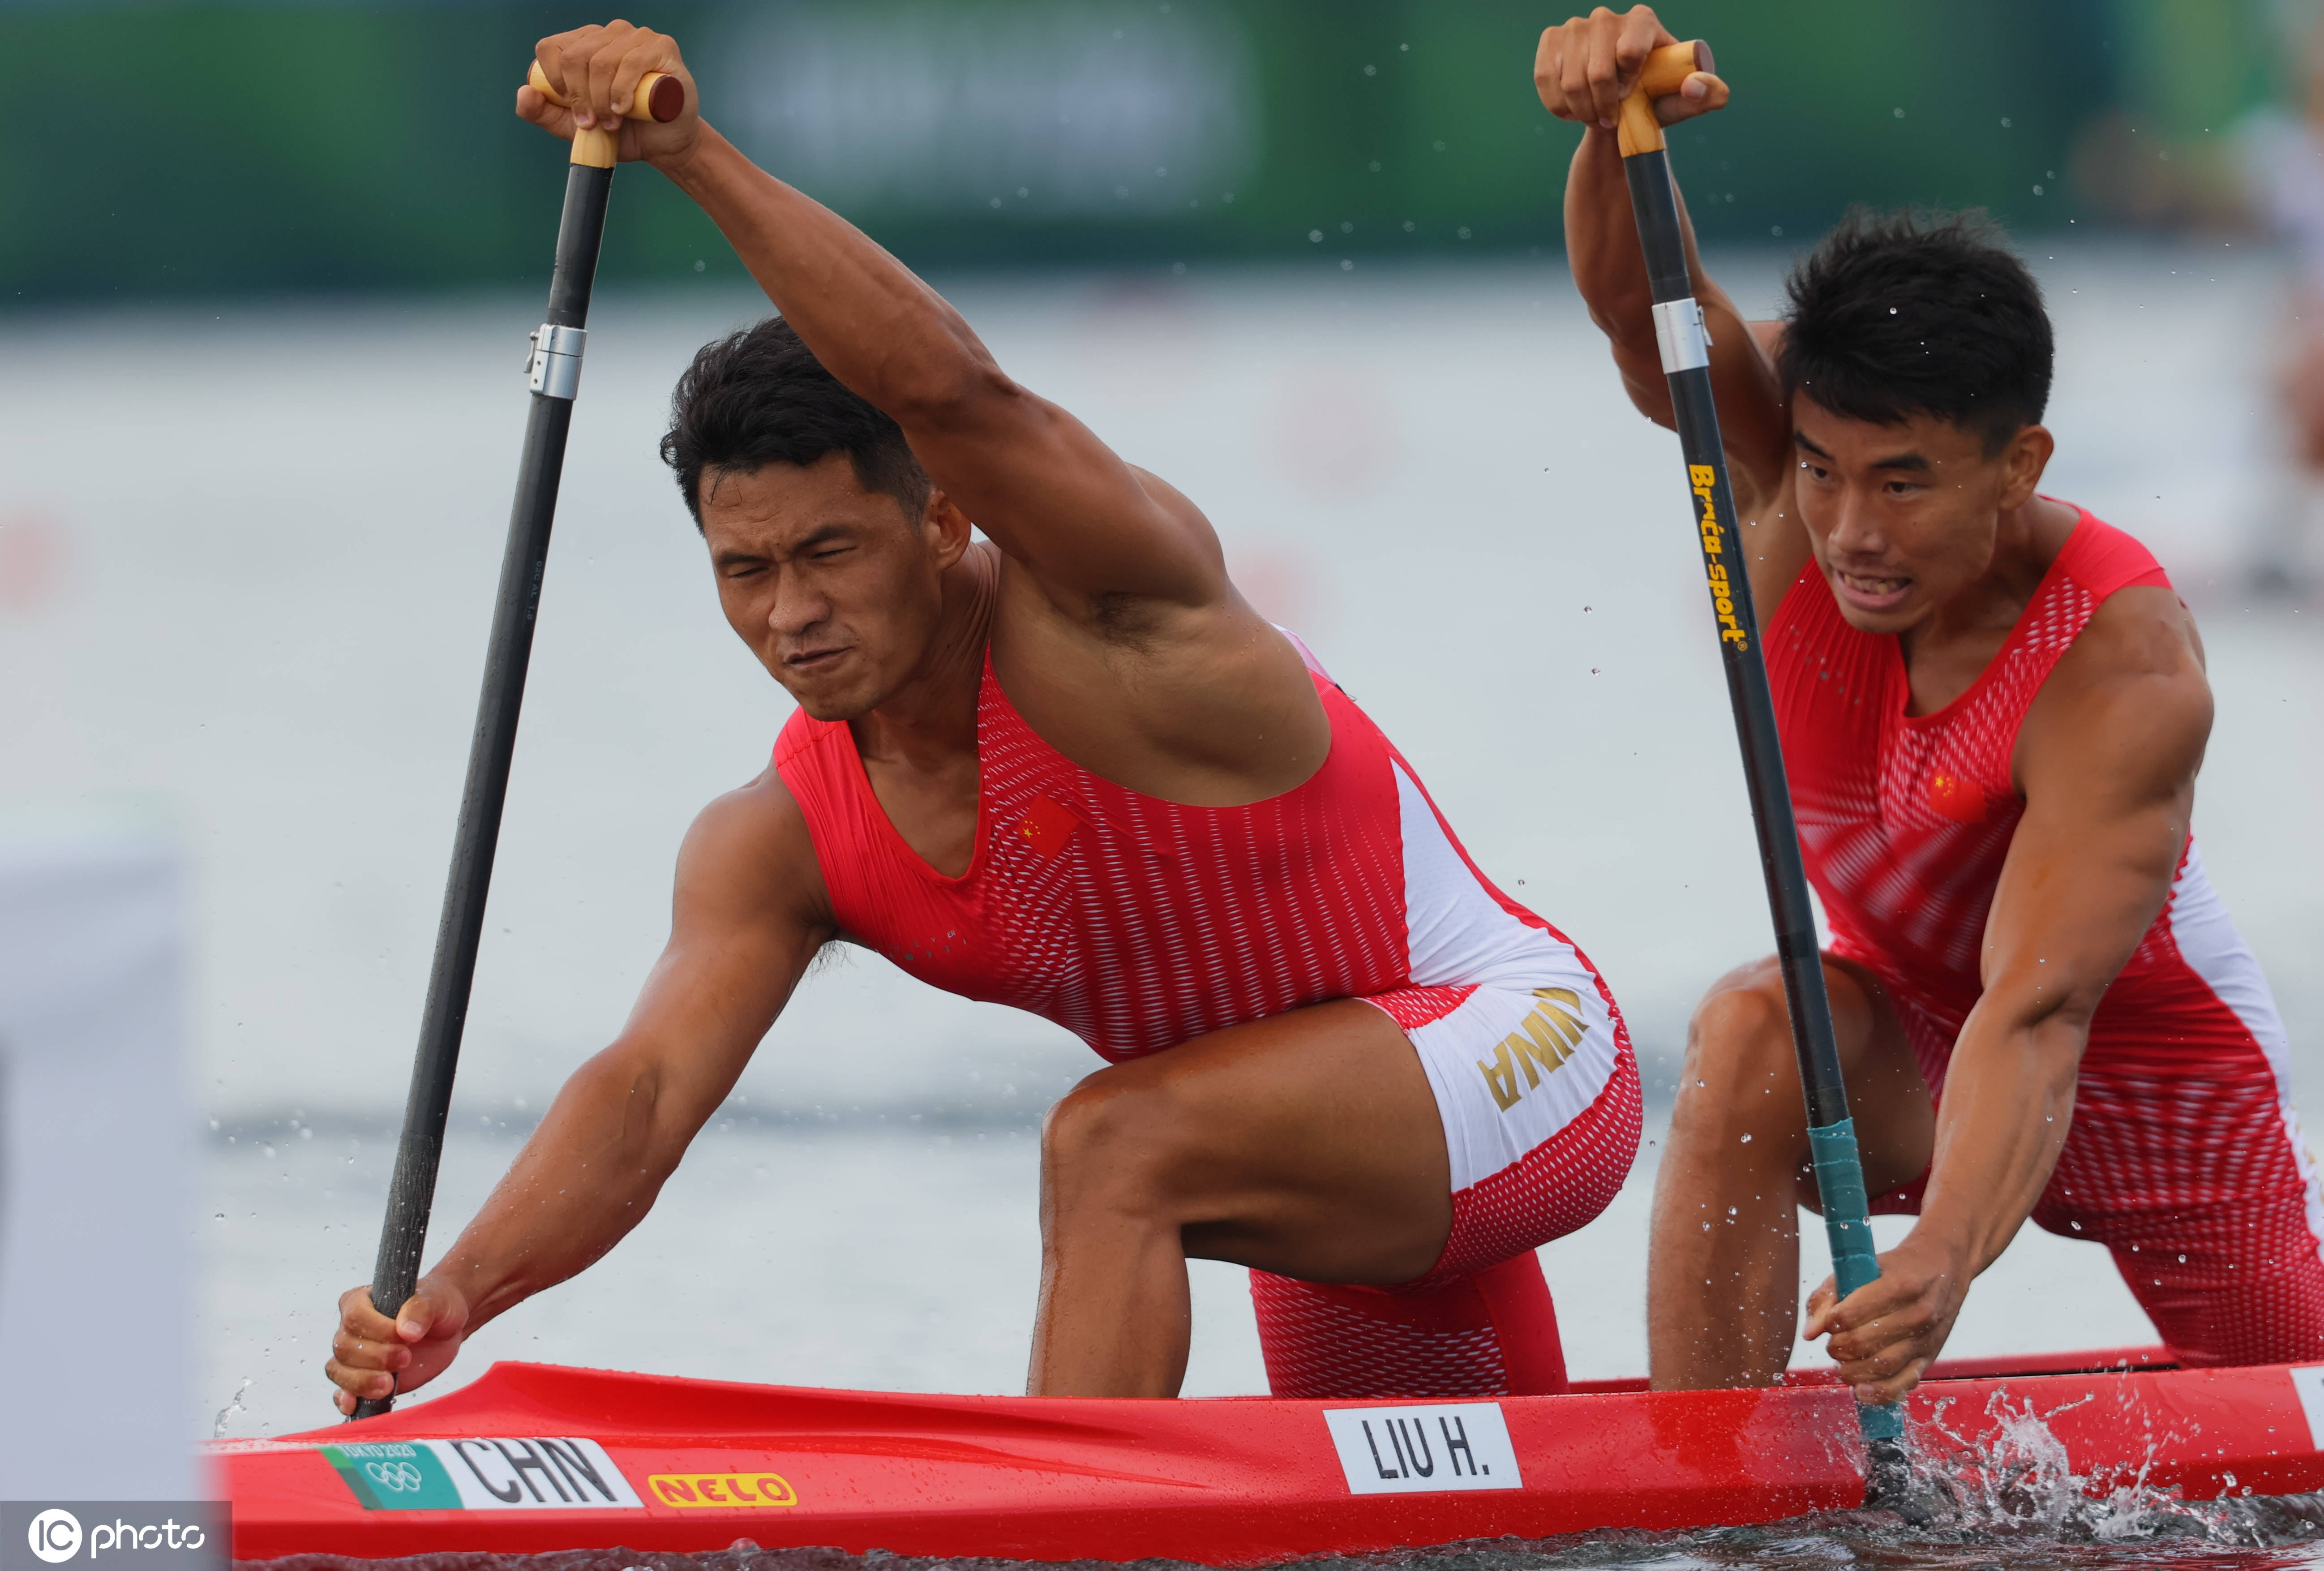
722,1490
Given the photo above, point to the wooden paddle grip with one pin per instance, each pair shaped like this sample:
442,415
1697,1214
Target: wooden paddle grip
1667,70
659,96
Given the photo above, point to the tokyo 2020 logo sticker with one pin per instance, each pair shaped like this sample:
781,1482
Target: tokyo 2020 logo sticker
396,1477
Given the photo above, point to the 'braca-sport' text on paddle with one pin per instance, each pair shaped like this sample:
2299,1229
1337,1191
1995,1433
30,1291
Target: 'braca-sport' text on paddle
556,372
1687,362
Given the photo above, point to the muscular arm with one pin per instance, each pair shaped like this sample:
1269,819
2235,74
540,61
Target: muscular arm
2106,761
1582,70
747,918
1056,500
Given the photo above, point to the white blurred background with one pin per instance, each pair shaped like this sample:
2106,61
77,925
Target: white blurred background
246,559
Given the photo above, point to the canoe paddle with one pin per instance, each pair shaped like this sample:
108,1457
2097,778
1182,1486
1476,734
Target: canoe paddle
1687,362
555,368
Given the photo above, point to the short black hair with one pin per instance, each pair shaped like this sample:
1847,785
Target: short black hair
760,397
1898,314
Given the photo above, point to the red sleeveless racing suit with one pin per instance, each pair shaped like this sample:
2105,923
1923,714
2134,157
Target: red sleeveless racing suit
1138,924
2185,1159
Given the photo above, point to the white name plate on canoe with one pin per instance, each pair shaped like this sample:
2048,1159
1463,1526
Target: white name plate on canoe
484,1474
1408,1450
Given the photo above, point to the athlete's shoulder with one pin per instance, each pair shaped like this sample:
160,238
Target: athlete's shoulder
750,852
2103,559
803,735
2129,697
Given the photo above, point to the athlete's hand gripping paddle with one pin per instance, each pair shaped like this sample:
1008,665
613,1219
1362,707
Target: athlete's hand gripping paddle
556,371
1686,361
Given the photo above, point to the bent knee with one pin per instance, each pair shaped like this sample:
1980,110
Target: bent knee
1740,1079
1742,1025
1112,1131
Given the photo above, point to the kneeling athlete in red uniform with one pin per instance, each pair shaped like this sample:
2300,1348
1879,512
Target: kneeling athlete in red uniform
1072,771
1992,708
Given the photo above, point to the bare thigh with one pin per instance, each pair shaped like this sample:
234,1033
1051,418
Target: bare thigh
1308,1144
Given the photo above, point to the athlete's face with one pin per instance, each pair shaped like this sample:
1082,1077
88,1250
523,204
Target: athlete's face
836,590
1904,517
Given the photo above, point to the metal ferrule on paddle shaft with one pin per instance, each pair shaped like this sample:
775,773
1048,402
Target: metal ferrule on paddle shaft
1687,362
556,368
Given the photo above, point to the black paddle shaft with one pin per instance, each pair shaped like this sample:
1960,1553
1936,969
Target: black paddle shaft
556,374
1654,203
1831,1135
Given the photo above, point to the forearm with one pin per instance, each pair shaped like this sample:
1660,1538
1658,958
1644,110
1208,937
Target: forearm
874,325
2008,1103
587,1175
1601,244
1610,270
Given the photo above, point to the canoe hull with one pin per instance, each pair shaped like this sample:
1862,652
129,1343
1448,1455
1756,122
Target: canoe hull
696,1465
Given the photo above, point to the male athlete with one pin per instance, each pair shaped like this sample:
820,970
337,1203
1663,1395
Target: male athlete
1992,708
1073,772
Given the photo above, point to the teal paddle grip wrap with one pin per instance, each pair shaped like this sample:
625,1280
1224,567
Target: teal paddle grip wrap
1847,1223
1839,1181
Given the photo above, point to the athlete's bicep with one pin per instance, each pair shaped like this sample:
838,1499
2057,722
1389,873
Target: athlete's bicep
2109,772
1058,500
748,915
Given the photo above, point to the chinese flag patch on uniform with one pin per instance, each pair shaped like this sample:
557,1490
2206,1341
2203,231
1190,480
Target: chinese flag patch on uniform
1047,827
1961,800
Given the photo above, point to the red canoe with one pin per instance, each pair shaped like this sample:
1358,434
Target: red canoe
532,1457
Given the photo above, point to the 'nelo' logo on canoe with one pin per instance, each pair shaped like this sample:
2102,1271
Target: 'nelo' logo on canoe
1547,1037
722,1490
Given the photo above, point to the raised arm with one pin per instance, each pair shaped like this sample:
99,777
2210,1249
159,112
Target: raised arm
1049,493
2107,760
1583,69
749,914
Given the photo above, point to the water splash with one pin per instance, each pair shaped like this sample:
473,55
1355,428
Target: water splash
2014,1483
226,1414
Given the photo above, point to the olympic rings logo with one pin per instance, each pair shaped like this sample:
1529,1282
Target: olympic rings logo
400,1477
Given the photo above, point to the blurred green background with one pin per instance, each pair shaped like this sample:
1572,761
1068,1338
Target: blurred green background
226,148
